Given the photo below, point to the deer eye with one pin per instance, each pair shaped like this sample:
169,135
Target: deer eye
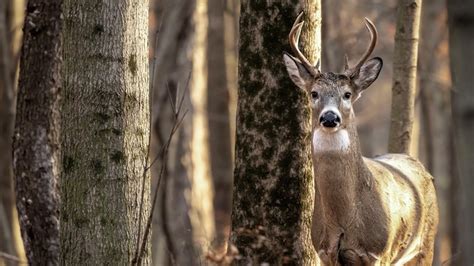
347,95
314,95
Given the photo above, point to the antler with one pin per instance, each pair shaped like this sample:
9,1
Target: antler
373,40
294,38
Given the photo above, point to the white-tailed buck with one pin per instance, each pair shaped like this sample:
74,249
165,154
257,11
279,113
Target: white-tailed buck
379,211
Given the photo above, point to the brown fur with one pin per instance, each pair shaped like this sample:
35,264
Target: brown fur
377,211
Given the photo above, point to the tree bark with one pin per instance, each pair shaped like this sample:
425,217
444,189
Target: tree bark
461,40
36,132
104,131
219,120
273,184
404,76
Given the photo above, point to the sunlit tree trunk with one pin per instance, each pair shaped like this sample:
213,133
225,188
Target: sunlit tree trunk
104,131
11,21
36,138
187,221
404,76
461,39
273,184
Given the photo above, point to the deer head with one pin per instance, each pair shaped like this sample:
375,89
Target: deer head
332,94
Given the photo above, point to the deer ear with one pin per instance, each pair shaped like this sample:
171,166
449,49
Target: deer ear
298,73
368,73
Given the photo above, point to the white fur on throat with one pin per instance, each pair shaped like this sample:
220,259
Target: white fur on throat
328,141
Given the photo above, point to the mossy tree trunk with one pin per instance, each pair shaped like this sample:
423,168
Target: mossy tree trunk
461,40
36,138
104,131
273,184
404,76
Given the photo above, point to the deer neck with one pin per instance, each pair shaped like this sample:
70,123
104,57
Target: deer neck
340,172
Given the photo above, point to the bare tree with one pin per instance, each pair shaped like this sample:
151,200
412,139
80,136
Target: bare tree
404,76
273,185
461,40
104,132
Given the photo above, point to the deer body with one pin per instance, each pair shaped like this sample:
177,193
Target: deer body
377,211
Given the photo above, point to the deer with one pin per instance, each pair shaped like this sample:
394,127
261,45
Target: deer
379,211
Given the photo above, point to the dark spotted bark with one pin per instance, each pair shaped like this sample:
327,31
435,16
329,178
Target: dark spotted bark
273,184
461,41
37,132
104,131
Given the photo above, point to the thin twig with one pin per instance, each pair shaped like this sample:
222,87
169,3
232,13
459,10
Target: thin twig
11,258
163,155
145,166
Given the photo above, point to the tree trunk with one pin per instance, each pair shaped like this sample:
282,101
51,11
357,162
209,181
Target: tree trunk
436,115
104,131
273,184
461,39
37,132
404,76
186,199
191,185
219,125
171,70
10,240
7,113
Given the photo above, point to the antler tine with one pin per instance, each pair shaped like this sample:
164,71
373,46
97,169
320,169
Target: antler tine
373,40
294,38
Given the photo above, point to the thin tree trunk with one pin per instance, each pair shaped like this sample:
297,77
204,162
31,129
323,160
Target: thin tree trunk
186,206
171,72
7,113
219,125
11,21
461,40
404,76
104,131
435,114
37,132
273,185
192,191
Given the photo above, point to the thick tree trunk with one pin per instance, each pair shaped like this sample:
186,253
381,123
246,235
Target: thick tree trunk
104,131
273,184
37,132
461,39
219,124
404,76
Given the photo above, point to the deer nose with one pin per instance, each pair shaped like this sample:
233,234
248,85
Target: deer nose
329,119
